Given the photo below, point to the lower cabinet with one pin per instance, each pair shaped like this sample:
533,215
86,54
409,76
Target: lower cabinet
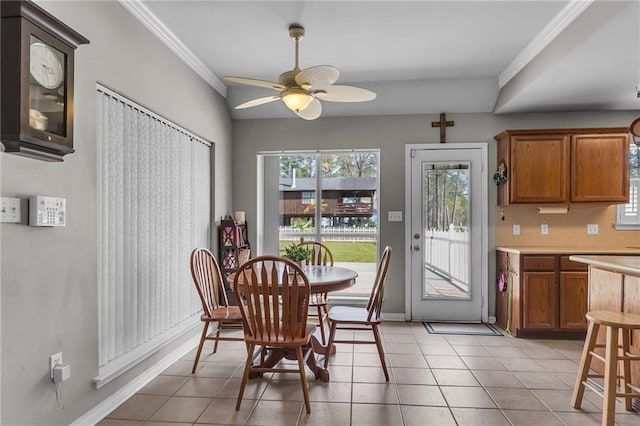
546,295
573,286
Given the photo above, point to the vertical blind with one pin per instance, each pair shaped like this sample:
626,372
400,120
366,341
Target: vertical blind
153,209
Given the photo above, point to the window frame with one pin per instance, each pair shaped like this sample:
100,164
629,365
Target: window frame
625,221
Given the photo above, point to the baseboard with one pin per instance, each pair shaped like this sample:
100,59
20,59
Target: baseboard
109,404
393,316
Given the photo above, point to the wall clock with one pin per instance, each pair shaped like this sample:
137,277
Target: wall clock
37,81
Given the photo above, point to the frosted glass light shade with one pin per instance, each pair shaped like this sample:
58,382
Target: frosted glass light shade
297,99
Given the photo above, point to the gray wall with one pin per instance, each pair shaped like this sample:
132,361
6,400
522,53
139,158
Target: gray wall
389,134
49,300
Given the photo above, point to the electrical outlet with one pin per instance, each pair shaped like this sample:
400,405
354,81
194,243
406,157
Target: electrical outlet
54,360
544,229
516,229
592,229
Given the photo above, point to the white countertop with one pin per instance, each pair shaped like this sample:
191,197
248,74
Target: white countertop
629,251
626,265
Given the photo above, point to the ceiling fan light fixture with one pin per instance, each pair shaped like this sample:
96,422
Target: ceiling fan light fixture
297,99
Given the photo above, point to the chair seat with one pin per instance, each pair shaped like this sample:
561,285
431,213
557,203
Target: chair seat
280,340
614,319
231,313
349,314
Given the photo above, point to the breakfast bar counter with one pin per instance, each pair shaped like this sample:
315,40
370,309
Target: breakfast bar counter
614,285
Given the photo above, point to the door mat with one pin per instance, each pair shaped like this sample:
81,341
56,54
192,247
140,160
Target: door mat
461,328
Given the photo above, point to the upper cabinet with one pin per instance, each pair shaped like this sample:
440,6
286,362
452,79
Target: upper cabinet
565,165
600,168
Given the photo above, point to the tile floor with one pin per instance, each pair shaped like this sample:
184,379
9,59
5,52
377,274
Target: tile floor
435,380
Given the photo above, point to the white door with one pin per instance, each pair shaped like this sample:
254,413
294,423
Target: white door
447,227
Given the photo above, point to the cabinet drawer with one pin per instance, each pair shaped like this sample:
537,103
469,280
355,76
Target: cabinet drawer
567,264
539,263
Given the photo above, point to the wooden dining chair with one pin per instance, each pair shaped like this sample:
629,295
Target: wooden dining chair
215,306
369,318
274,316
319,255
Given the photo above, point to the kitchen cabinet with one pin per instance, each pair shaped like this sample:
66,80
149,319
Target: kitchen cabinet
547,295
564,165
573,286
600,168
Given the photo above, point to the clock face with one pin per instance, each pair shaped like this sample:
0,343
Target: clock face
45,66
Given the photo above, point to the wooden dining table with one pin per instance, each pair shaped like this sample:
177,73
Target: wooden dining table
322,279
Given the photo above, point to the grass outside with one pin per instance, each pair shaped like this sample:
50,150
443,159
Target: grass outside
346,251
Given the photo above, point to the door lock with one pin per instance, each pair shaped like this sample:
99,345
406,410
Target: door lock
416,236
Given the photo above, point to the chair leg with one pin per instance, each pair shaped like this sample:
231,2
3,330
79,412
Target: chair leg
376,334
202,339
610,376
321,323
245,374
585,364
219,328
626,371
303,378
332,336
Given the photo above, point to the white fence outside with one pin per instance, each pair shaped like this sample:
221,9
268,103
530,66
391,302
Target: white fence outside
447,253
292,233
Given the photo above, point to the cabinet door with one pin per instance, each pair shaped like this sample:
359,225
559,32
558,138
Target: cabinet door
539,169
573,300
600,168
539,303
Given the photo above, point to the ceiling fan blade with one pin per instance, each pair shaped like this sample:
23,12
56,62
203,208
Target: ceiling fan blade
254,82
318,77
340,93
258,101
311,112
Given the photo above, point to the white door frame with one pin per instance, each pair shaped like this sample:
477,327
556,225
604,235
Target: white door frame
484,260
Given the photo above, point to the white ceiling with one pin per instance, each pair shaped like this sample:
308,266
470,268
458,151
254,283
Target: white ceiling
419,56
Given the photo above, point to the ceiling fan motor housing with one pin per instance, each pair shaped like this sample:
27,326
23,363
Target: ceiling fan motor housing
296,31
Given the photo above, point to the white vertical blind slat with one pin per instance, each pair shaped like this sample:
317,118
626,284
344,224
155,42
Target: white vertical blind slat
154,208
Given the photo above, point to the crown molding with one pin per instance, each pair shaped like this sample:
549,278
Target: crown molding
157,27
556,26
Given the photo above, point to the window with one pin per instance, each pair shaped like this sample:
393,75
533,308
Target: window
628,215
321,196
308,197
153,209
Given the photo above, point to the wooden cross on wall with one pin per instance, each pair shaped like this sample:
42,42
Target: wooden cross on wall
443,124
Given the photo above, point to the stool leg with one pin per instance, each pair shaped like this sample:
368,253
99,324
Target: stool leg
626,371
585,364
610,376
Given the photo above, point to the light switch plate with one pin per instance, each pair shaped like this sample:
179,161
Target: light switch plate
592,229
544,229
516,229
10,210
395,216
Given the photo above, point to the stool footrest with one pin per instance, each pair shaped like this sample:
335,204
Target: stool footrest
597,356
593,388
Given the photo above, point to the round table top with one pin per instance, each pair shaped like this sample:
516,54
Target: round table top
324,279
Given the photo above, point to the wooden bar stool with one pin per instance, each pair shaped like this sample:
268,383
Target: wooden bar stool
613,321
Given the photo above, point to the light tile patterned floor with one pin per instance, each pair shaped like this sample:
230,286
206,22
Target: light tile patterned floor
435,380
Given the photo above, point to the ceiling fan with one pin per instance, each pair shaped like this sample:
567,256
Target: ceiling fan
302,90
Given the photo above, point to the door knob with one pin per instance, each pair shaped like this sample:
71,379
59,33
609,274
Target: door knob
416,248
